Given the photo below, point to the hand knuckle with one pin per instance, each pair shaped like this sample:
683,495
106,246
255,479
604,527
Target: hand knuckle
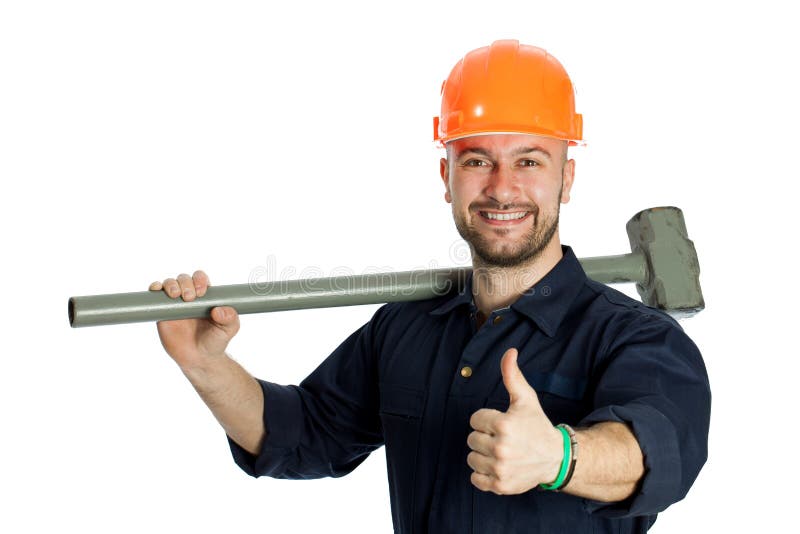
500,451
499,471
502,426
475,461
476,481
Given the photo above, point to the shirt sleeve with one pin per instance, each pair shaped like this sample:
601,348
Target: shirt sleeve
654,380
329,424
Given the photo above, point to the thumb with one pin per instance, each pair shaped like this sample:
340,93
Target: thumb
227,318
519,391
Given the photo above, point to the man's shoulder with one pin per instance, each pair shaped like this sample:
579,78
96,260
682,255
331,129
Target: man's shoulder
623,323
408,316
619,307
413,309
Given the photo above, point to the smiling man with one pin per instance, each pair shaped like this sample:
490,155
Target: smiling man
505,179
532,399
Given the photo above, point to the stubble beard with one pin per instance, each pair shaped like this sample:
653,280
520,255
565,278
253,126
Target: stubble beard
525,249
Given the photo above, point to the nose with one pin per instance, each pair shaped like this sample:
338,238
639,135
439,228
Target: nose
502,187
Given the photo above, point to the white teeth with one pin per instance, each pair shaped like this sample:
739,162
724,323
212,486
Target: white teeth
504,216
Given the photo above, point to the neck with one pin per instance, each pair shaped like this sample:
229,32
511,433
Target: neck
495,287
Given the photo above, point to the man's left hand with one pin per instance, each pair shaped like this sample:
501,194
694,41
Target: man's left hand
516,450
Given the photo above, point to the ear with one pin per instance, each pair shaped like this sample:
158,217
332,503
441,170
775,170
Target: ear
444,172
568,176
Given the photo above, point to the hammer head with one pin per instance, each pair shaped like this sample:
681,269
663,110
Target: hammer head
673,281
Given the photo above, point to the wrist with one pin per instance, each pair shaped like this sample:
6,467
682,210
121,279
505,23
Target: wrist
199,368
556,457
568,455
573,460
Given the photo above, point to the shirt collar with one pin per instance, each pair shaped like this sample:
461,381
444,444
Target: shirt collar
546,302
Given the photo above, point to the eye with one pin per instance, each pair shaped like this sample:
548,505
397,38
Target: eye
475,163
529,163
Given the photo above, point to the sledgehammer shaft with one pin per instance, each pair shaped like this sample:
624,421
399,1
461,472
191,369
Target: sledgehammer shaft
616,269
97,310
663,265
263,297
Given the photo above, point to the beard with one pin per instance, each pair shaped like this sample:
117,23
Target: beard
510,254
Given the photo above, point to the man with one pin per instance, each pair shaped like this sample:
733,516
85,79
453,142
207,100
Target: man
465,389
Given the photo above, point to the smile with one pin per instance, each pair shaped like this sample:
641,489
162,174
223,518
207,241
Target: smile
495,218
504,216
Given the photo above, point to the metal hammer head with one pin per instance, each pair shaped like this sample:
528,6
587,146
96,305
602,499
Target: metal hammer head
673,272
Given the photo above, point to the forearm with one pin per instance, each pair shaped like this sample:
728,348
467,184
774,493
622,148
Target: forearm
234,397
610,463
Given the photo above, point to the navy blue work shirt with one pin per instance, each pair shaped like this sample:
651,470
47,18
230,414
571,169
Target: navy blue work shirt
591,353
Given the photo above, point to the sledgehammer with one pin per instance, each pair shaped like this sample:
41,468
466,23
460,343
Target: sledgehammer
662,262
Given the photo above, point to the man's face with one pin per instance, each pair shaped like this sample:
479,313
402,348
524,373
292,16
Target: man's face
506,191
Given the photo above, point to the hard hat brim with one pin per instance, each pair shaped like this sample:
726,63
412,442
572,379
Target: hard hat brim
442,142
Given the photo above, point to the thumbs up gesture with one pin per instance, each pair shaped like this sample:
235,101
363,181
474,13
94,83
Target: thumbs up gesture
514,451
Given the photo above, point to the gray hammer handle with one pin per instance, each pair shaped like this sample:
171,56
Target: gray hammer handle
97,310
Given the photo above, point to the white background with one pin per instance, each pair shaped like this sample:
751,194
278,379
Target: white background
143,139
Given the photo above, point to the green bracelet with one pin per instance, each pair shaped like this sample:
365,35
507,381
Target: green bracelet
565,462
574,442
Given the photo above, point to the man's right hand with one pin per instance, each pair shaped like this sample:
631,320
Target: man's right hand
198,346
192,342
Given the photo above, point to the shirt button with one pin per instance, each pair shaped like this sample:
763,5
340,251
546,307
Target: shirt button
466,371
497,319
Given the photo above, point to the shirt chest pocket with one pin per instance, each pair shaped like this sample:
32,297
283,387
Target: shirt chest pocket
401,401
561,397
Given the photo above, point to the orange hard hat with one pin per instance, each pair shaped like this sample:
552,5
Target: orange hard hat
508,88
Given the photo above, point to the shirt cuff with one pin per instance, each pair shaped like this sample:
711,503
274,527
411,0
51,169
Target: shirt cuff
659,443
283,422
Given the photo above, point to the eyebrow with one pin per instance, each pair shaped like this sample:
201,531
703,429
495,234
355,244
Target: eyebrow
516,152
